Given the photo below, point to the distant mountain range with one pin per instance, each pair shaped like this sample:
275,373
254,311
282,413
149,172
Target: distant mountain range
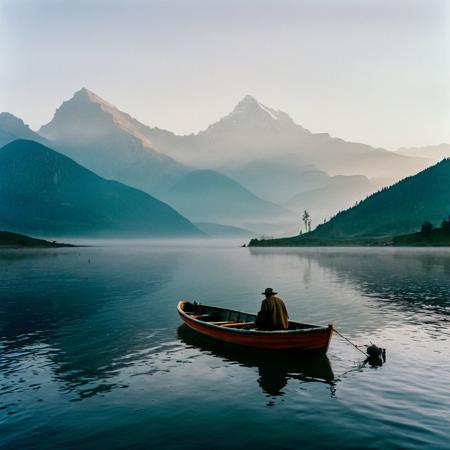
278,179
111,143
12,128
215,230
399,209
433,152
209,196
46,193
258,167
253,131
338,194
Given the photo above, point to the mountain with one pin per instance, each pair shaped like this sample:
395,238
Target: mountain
108,141
399,209
46,193
433,152
253,131
251,143
339,193
276,179
216,230
12,128
209,196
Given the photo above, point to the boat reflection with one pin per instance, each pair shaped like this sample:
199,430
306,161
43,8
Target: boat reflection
275,368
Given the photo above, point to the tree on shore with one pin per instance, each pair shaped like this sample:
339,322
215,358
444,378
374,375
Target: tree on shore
427,227
445,225
306,218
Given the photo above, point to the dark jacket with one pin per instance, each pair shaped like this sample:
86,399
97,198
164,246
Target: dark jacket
273,315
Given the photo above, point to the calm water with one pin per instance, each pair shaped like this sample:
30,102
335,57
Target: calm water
92,354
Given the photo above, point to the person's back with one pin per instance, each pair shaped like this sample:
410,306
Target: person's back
273,314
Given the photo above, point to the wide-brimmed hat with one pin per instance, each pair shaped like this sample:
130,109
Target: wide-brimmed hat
269,291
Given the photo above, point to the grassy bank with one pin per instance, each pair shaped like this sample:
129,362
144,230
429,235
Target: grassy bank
8,239
435,238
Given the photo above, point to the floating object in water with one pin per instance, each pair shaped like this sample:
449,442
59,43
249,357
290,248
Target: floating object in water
374,361
237,327
375,352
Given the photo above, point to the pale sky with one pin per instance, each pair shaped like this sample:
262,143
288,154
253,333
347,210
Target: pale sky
373,71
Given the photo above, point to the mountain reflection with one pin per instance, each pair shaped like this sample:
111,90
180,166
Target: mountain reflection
275,369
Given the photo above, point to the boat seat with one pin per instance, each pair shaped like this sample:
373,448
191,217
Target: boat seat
202,316
237,324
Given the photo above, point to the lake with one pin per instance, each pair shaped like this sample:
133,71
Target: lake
93,354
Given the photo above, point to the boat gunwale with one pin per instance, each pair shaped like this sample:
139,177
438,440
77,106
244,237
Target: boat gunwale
312,329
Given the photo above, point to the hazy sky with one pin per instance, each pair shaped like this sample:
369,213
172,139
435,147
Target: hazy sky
372,71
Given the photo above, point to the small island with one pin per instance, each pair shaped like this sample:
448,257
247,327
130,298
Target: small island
15,240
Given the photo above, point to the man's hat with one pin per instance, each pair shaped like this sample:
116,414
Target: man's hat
269,291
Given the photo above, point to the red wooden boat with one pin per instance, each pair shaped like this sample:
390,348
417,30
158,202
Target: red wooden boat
237,327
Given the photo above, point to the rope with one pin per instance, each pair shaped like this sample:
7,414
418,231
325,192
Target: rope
349,341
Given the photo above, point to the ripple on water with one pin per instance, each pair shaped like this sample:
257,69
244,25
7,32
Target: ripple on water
95,355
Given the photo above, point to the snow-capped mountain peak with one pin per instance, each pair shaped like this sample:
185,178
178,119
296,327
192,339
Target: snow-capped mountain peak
252,116
249,105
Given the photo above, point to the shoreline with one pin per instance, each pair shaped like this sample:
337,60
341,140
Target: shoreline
436,238
9,240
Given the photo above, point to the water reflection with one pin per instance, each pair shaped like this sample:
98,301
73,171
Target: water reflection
76,313
275,369
100,325
416,281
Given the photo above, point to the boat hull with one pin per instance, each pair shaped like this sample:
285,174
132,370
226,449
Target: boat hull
313,339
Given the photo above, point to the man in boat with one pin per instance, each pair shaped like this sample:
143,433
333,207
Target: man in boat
273,314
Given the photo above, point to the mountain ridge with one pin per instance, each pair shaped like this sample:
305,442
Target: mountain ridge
251,131
110,142
260,147
391,216
434,152
255,131
12,128
209,196
340,192
397,209
46,193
